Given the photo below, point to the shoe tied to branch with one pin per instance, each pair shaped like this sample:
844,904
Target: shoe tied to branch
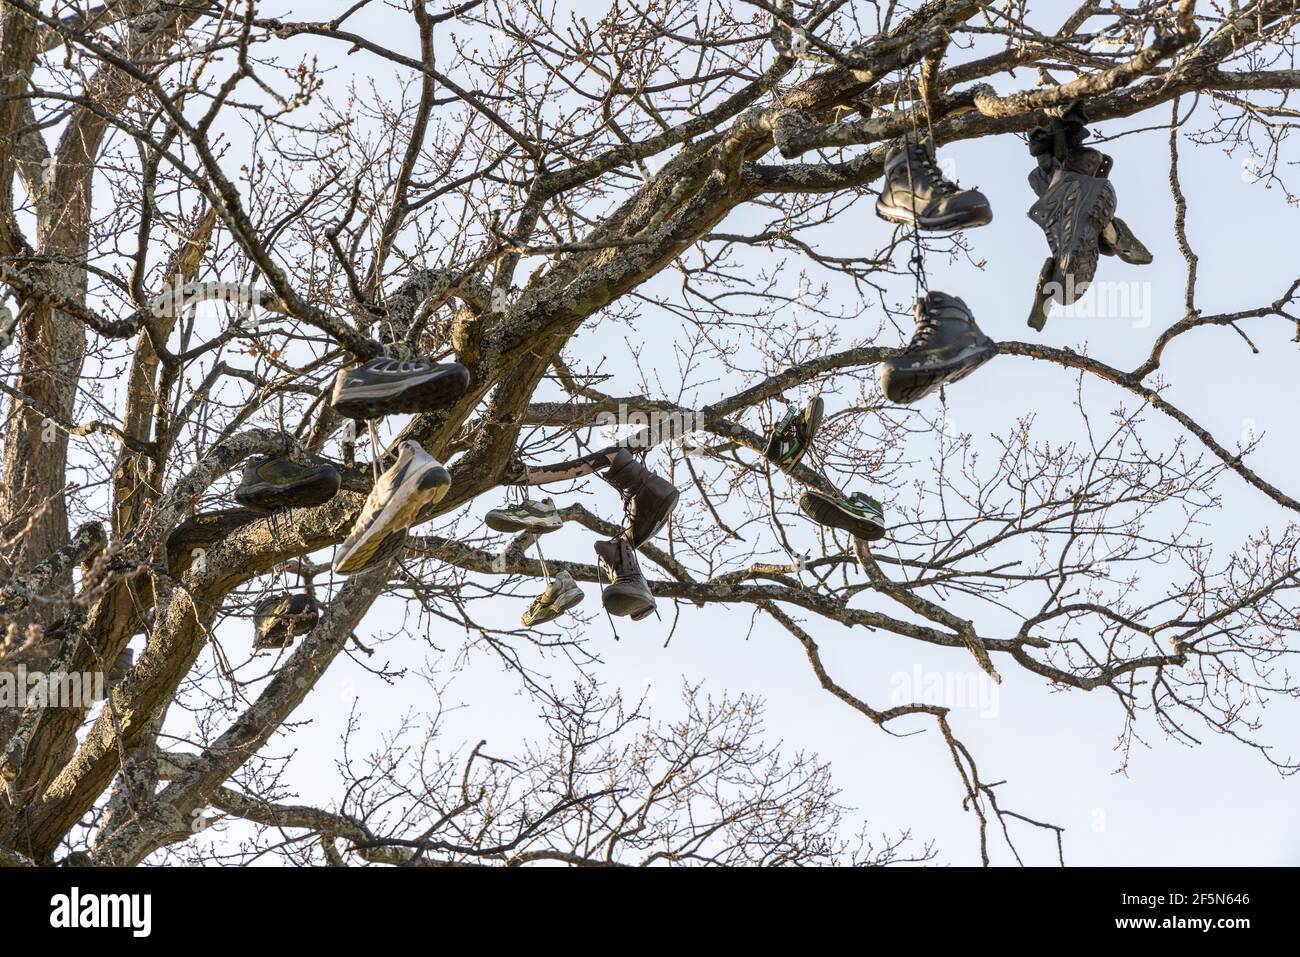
916,191
1073,210
859,515
560,595
416,480
627,594
947,346
1116,238
648,500
794,434
385,386
536,517
276,482
279,618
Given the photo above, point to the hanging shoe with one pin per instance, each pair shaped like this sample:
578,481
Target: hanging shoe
946,347
276,482
627,594
859,515
560,595
415,480
278,619
528,516
794,434
386,386
1072,210
648,500
1118,240
915,191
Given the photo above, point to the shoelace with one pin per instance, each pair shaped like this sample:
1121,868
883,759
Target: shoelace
940,184
924,330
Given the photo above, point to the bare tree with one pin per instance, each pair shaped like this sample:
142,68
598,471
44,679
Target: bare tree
199,225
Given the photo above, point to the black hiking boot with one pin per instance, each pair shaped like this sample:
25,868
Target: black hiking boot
946,347
915,190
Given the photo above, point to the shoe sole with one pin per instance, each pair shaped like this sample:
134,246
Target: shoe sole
827,514
424,488
660,520
265,497
905,386
514,525
627,606
1079,260
433,390
978,216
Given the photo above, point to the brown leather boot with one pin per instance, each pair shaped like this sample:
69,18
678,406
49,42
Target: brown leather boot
648,500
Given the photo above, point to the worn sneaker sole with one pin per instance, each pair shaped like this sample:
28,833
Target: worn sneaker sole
824,511
501,522
422,488
967,219
564,601
315,489
908,385
425,392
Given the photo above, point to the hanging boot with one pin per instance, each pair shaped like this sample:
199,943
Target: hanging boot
627,594
947,346
915,192
648,500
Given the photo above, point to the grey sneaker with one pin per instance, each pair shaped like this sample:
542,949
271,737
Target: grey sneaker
627,593
946,347
415,481
916,191
278,619
537,517
560,595
859,515
386,386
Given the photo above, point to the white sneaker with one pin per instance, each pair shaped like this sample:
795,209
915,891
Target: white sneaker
416,479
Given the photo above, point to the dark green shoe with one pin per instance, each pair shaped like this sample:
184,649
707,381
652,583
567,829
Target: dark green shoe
276,482
792,437
278,619
859,515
